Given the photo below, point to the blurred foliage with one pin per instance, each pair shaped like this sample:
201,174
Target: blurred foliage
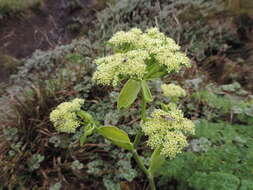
226,165
44,64
173,18
229,102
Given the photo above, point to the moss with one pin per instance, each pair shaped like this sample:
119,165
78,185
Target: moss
8,64
7,6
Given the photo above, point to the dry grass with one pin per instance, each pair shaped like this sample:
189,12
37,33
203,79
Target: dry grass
30,123
29,117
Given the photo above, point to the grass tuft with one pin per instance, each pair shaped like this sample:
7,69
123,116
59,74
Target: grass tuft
28,150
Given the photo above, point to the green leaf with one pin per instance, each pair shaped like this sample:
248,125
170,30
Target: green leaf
156,75
146,92
155,71
128,93
82,140
86,116
116,136
156,161
88,130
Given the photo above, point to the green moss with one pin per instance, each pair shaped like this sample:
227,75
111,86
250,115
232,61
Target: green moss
7,6
9,64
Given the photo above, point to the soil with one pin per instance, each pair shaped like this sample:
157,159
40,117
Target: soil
42,28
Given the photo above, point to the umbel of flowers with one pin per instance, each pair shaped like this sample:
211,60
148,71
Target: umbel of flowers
139,55
168,130
65,118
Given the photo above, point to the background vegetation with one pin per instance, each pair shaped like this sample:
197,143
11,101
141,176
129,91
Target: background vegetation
219,100
8,6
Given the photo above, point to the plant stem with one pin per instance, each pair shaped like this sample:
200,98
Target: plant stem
151,182
144,169
143,118
143,109
137,141
138,138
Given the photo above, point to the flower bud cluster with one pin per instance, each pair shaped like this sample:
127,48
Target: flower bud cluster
168,131
64,117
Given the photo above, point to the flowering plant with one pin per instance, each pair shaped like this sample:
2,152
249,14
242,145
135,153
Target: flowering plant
139,57
64,117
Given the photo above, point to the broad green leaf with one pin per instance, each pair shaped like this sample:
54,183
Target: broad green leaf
128,93
146,92
116,136
156,161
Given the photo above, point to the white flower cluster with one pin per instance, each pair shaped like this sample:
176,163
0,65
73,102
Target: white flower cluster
64,117
112,69
136,53
168,131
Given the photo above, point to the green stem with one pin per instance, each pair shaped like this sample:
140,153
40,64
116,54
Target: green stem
138,138
139,162
151,182
137,141
144,169
143,118
143,109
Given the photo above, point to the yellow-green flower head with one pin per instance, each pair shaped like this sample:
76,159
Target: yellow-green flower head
111,69
168,131
64,117
136,53
126,40
172,90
